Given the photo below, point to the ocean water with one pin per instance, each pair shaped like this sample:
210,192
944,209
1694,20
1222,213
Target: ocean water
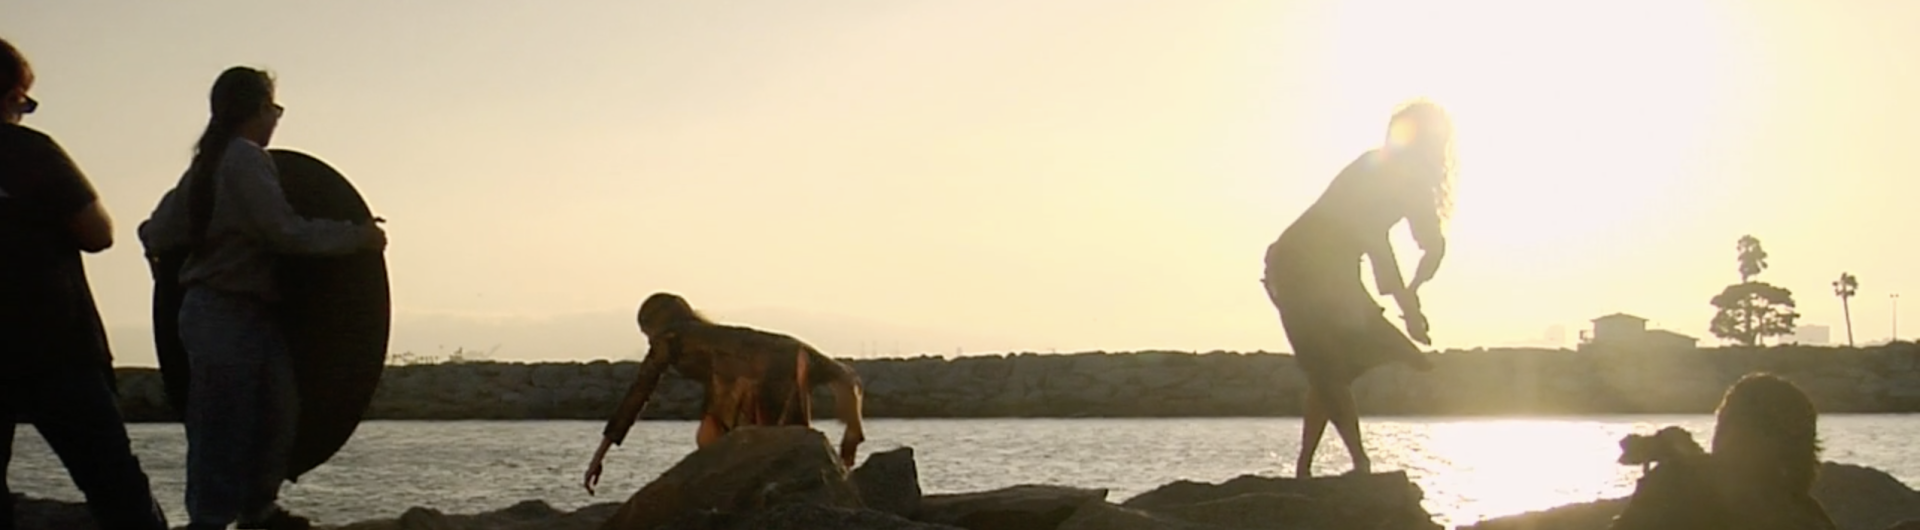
1470,469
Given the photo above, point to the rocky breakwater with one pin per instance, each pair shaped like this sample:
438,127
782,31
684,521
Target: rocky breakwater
1169,384
788,478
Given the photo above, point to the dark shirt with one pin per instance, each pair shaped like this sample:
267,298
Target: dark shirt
47,312
1352,219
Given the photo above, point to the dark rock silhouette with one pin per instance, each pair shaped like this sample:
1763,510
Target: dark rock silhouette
889,481
803,517
1027,507
1380,500
1858,498
749,469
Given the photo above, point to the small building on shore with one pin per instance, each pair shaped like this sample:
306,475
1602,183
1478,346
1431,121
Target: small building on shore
1628,331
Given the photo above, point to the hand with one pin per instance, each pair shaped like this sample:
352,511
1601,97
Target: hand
1417,328
593,476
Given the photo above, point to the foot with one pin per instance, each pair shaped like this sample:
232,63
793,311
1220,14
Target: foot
279,519
1362,466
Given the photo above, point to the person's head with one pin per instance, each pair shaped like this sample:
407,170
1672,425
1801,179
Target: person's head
663,310
242,105
16,77
1420,135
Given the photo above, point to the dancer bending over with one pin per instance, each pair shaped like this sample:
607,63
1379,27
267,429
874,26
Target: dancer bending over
752,377
1313,278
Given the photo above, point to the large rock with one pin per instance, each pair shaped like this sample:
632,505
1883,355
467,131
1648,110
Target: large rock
1386,501
889,481
1864,498
527,515
29,512
1857,498
749,469
801,517
1028,507
1105,516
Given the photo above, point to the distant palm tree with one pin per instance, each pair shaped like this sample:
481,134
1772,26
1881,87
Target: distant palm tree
1845,288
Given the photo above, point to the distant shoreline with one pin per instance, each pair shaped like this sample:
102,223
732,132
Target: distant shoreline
1478,383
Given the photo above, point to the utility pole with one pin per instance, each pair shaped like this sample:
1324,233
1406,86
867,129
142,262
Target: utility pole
1895,297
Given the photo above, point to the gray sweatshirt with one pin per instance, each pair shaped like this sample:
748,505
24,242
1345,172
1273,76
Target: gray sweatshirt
252,222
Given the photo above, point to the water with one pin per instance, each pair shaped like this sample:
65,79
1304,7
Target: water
1470,468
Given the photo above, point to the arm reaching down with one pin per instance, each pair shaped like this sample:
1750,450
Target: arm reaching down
660,352
847,397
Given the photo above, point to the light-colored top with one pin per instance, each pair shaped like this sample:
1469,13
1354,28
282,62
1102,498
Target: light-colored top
251,224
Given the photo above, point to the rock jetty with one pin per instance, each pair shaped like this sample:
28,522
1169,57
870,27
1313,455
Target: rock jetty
1168,384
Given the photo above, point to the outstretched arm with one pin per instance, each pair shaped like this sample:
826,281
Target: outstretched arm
847,396
660,352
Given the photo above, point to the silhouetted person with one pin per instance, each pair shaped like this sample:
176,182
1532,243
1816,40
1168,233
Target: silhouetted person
1313,278
229,209
751,377
55,369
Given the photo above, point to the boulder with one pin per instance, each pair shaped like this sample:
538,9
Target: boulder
1864,498
1379,500
1107,516
30,512
889,481
1026,507
801,517
527,515
748,469
1857,498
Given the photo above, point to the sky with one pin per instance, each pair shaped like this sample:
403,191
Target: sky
899,177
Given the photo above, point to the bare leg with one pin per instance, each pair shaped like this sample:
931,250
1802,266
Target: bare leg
710,431
1313,425
1345,415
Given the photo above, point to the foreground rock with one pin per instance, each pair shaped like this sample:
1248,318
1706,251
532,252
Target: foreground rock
802,517
1858,498
1027,507
41,513
748,470
889,481
1384,501
527,515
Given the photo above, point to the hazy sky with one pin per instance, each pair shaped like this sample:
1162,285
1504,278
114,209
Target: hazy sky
905,176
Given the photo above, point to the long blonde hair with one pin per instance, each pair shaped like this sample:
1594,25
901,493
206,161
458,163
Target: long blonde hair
1425,127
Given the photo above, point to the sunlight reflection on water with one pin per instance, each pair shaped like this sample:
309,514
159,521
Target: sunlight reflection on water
1469,468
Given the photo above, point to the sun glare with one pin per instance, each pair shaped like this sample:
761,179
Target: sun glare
1514,466
1603,101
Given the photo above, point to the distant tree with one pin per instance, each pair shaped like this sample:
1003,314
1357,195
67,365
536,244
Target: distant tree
1751,311
1845,288
1753,259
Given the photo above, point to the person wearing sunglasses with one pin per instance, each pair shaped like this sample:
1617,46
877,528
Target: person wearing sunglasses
56,371
232,217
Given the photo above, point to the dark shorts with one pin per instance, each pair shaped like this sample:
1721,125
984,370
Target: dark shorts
1337,330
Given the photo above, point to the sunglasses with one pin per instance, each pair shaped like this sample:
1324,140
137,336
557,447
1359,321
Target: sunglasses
29,105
